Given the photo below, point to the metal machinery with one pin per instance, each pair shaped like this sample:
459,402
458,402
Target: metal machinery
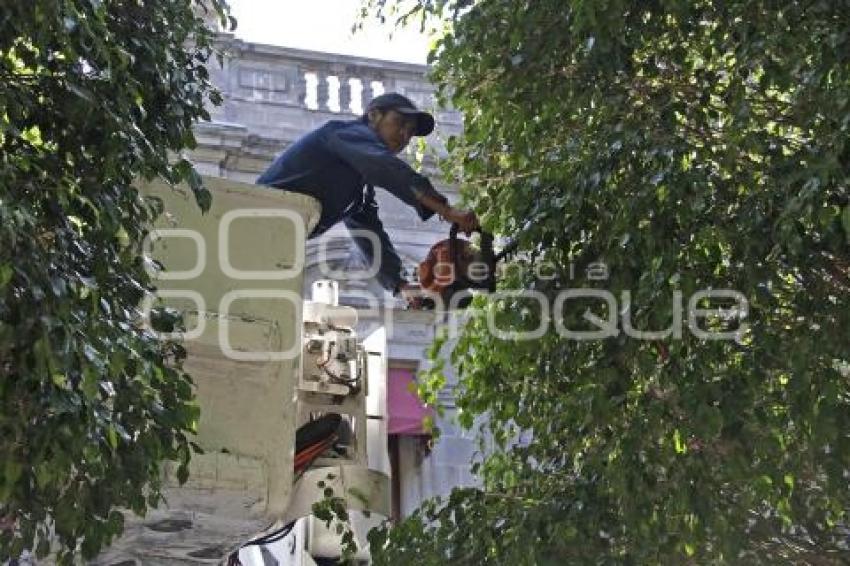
264,363
334,380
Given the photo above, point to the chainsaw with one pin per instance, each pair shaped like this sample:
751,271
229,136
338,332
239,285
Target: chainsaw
456,265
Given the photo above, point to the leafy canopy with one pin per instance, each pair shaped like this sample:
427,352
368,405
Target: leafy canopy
92,96
688,145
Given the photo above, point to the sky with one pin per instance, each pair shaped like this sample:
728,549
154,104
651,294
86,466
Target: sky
325,25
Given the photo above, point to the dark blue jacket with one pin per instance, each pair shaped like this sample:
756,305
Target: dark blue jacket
338,164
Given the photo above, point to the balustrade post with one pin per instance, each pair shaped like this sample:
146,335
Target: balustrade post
366,95
322,92
300,88
344,94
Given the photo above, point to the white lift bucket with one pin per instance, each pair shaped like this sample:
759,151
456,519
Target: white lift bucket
237,274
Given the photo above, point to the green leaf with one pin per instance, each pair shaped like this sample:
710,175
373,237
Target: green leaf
182,473
204,198
12,471
359,495
90,382
678,443
6,273
112,438
43,548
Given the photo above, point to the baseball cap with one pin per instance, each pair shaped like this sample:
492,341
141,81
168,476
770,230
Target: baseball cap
403,105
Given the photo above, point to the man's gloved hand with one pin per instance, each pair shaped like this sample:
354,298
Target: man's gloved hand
466,220
412,294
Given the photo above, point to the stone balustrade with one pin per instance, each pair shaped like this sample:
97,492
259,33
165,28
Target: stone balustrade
280,92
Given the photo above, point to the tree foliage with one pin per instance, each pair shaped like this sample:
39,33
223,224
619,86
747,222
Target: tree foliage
92,96
688,145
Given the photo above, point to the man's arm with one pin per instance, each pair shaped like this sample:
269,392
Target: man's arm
361,148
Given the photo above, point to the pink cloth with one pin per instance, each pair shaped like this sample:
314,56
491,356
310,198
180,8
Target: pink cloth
404,407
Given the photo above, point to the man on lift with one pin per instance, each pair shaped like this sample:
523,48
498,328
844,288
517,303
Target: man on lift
340,163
